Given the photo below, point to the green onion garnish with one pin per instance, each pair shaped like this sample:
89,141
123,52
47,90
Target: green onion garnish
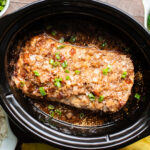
106,70
61,40
53,32
57,82
67,71
64,64
124,74
77,71
104,44
51,61
100,38
101,98
137,96
72,39
61,46
55,64
51,113
67,78
51,107
58,112
91,97
57,56
81,115
42,91
49,27
36,73
22,83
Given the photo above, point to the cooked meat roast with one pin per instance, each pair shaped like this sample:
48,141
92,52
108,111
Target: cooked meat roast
82,77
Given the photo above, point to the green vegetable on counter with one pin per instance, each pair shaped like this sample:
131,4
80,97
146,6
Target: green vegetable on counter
2,4
148,22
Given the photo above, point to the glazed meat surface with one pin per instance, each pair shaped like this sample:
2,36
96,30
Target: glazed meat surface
82,77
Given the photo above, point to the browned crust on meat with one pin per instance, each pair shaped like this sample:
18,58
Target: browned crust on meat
90,61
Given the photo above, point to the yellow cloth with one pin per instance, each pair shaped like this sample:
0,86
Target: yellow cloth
37,146
143,144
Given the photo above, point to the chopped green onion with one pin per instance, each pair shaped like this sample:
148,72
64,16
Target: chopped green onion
49,27
67,71
91,97
81,115
104,44
42,91
61,40
53,32
100,38
55,64
64,64
51,61
51,107
137,96
106,70
127,50
61,46
77,71
36,73
57,82
72,39
124,74
51,113
58,79
22,83
57,56
67,78
58,112
101,98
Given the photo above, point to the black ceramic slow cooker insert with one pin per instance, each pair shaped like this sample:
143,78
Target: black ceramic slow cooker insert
108,136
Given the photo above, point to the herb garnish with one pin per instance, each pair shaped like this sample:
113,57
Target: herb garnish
106,70
91,97
124,74
42,91
101,98
36,73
